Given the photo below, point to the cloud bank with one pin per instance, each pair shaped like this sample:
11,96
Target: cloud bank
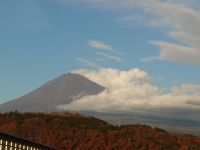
130,92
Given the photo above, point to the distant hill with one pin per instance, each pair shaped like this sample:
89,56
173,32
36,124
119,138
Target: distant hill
172,125
77,132
61,90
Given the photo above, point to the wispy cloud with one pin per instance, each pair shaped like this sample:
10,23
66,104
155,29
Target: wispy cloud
100,45
89,63
112,57
147,59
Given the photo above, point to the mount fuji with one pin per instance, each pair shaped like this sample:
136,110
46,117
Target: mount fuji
59,91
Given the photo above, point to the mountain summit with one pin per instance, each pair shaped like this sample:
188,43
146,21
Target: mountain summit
61,90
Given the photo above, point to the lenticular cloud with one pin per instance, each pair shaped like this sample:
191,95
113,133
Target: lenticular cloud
130,92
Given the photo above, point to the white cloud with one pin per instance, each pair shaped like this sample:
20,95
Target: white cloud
111,57
185,88
89,63
182,18
188,39
187,22
160,78
175,53
100,45
131,92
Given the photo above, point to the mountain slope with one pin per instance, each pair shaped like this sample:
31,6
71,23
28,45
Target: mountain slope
55,92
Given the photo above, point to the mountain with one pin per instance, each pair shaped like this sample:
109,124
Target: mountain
61,90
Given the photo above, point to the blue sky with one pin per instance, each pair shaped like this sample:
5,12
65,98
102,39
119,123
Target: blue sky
43,39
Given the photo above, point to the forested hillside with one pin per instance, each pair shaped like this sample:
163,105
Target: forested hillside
74,131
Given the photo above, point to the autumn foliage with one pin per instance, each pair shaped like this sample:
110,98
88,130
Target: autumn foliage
77,132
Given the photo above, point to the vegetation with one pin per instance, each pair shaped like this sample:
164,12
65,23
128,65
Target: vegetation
74,131
159,130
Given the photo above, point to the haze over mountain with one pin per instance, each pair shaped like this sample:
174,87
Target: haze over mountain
61,90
